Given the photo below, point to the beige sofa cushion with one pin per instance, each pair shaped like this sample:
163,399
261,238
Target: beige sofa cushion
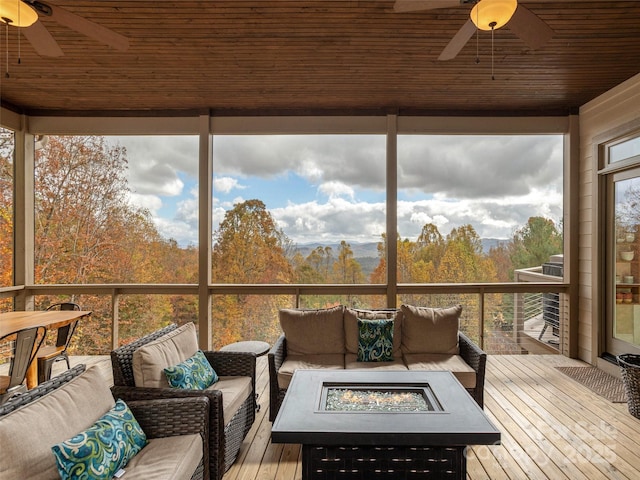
166,458
329,361
351,362
150,360
351,316
430,330
438,361
235,391
28,433
310,332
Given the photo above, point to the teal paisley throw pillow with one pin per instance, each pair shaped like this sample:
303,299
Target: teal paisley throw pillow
195,373
103,449
375,340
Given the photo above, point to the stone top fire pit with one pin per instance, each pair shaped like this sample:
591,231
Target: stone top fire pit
311,415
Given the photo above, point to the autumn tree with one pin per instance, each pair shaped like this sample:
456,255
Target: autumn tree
501,259
346,269
430,246
248,248
87,232
315,268
6,208
321,260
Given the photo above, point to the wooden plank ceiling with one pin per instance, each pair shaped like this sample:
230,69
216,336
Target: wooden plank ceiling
318,57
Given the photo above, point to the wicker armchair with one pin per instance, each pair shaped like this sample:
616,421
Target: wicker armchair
158,418
224,439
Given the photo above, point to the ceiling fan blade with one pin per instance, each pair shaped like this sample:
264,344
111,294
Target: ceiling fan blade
88,28
42,41
416,5
458,41
530,28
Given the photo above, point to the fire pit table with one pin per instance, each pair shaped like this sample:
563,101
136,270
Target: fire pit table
370,425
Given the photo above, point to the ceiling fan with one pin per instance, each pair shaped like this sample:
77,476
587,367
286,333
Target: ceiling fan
486,15
27,13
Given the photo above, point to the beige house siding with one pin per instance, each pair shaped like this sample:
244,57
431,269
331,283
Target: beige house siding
601,117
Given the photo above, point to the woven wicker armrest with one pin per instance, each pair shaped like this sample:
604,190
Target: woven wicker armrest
276,357
477,359
278,353
241,364
129,394
216,413
172,416
471,353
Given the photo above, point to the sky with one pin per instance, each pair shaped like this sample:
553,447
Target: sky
328,188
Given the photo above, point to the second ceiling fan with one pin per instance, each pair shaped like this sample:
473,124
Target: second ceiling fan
486,15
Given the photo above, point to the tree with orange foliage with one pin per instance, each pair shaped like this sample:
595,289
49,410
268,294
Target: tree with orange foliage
6,208
87,232
248,248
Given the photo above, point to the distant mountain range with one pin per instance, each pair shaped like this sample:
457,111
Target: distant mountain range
370,249
366,254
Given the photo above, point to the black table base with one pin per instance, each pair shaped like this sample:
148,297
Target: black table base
383,462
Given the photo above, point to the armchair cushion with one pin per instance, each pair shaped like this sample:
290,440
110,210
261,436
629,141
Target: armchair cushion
430,330
102,449
169,457
311,332
235,390
26,435
195,373
150,360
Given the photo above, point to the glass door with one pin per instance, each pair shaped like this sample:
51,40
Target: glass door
623,326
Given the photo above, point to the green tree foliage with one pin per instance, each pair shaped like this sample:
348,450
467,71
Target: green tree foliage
534,243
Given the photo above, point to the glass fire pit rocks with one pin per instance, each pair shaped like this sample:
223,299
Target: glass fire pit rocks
376,400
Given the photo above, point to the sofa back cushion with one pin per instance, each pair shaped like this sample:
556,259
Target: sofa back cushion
351,332
430,330
310,332
150,360
28,433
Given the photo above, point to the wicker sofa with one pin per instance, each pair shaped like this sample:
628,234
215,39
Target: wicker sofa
58,409
423,339
232,397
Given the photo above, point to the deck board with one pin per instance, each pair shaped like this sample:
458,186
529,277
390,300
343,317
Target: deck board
552,428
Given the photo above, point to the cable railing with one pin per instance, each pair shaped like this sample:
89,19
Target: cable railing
477,298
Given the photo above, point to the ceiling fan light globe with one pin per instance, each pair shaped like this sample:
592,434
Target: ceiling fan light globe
17,13
493,14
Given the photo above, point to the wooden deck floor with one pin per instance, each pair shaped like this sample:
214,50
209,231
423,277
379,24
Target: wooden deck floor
552,428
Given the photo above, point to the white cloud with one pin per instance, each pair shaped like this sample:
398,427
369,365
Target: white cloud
337,219
336,189
225,184
182,232
492,183
153,203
